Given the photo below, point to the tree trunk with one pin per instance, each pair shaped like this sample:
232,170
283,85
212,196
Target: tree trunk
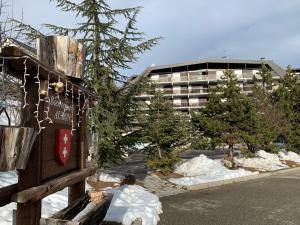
230,152
159,152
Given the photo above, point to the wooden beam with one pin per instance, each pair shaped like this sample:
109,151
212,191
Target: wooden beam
30,214
76,191
6,193
57,184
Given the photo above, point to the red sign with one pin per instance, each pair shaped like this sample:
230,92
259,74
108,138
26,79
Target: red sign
63,145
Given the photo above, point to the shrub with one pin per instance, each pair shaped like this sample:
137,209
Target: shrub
165,165
247,153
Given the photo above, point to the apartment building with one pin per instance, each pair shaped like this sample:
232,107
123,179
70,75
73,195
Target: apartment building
297,71
186,85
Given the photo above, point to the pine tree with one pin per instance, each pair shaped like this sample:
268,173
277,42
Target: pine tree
263,127
287,97
165,132
224,118
110,50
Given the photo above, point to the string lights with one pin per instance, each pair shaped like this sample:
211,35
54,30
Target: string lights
72,110
47,99
24,83
36,113
79,110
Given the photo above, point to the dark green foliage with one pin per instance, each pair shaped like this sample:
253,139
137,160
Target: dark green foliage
247,153
165,131
287,97
110,50
165,165
223,120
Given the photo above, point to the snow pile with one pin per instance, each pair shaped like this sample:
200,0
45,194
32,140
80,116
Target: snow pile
263,162
291,156
203,170
109,178
131,202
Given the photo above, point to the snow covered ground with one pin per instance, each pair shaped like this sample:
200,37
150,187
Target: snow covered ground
109,178
50,204
129,203
203,170
291,156
265,161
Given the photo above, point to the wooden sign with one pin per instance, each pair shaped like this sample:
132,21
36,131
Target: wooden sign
62,114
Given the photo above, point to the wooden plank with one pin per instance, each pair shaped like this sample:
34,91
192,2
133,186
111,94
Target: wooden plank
72,58
95,215
30,214
52,169
36,193
6,193
80,60
78,190
45,51
62,45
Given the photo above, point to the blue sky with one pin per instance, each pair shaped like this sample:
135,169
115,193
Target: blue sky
199,29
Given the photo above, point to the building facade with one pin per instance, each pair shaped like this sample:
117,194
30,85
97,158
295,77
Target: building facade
186,85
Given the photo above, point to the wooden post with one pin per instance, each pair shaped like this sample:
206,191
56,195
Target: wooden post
77,190
30,214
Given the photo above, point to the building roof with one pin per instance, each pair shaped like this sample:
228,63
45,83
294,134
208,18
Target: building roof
276,68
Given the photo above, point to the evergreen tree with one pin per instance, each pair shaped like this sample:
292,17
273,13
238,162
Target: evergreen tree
268,121
110,50
227,112
164,131
287,97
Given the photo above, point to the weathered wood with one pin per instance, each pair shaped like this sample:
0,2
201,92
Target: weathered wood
62,46
30,214
36,193
95,215
72,58
83,212
46,51
15,144
6,193
80,60
51,221
62,53
78,190
73,209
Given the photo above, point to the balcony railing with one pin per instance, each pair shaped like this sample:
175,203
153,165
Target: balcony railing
198,90
191,104
198,104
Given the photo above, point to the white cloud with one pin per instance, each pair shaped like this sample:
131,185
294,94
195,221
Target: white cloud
195,29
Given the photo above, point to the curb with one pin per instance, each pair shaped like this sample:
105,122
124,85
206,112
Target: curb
239,179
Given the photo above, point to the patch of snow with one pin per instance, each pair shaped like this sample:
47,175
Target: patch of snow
50,205
8,178
288,155
203,170
263,162
131,202
109,178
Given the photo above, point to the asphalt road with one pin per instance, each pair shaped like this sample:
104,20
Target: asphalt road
266,201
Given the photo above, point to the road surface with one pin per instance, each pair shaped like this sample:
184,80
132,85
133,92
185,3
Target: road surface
266,201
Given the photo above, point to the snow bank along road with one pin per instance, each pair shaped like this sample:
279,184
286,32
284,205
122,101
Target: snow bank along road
273,200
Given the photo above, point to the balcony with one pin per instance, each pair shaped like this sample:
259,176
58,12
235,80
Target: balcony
198,104
164,79
190,105
198,91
